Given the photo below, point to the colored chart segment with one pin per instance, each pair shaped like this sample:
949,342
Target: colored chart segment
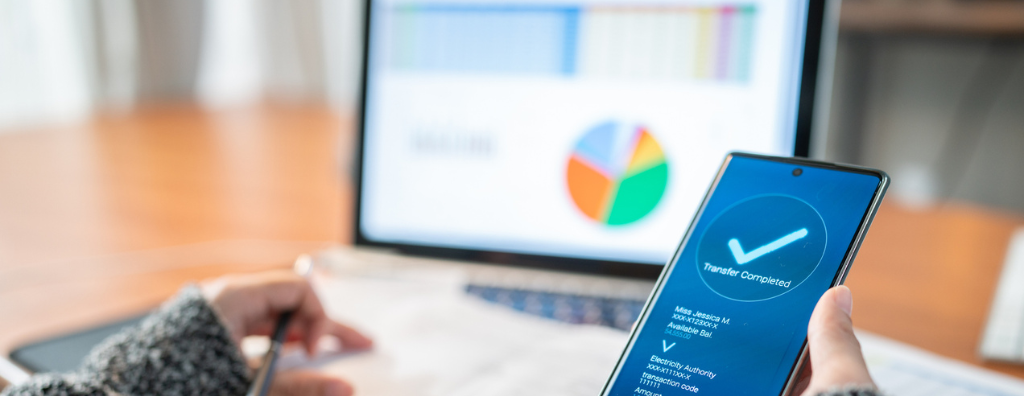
620,40
617,173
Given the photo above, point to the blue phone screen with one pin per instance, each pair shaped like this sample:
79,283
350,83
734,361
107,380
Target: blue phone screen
731,316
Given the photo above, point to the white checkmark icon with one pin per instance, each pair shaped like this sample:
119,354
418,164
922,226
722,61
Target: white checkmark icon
743,258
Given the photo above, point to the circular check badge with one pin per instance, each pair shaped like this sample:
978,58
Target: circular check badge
761,247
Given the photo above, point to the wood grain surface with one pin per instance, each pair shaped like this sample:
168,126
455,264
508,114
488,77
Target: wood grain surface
108,217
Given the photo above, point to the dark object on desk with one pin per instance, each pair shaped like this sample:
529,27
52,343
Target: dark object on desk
65,353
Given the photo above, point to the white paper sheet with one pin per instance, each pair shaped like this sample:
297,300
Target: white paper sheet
432,339
904,370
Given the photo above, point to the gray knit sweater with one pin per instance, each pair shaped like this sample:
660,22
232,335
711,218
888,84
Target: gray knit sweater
182,349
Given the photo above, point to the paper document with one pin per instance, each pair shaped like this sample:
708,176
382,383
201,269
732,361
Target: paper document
903,370
433,339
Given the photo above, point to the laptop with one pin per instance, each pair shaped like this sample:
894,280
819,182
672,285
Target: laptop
556,151
570,136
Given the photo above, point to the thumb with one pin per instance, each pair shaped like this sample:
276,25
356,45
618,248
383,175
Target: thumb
311,383
836,358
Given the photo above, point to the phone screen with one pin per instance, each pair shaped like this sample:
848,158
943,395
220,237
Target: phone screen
730,314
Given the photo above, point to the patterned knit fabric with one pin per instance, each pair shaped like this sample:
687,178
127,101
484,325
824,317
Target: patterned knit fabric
182,349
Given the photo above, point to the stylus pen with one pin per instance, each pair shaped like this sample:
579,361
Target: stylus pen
261,383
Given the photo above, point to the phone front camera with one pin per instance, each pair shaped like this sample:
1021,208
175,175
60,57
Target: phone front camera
798,172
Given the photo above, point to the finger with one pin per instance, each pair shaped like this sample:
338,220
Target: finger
251,304
286,291
350,338
296,332
803,379
308,383
315,320
836,356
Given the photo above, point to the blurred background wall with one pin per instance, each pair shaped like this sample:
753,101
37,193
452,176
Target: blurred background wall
940,108
930,90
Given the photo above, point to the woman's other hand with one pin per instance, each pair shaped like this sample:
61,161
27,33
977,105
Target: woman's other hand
250,304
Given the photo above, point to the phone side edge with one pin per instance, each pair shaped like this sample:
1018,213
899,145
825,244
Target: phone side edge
844,270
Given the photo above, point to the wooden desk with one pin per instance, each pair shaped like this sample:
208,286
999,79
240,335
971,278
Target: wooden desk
927,277
190,194
165,178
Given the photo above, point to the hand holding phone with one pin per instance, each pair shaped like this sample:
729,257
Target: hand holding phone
729,313
835,354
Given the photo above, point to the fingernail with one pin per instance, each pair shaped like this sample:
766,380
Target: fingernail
844,299
337,388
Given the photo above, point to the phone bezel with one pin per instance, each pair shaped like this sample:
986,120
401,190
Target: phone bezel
838,279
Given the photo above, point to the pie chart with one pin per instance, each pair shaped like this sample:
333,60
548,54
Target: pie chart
617,173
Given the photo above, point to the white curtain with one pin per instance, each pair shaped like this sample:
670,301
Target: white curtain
285,50
342,22
231,66
45,61
61,59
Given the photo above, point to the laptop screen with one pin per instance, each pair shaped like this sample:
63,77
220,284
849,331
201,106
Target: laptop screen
585,129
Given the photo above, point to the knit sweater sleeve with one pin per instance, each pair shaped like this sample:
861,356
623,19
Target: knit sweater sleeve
182,349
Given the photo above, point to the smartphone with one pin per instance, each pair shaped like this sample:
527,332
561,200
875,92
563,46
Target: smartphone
729,313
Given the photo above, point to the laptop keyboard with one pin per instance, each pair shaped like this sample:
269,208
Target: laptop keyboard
619,313
566,297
